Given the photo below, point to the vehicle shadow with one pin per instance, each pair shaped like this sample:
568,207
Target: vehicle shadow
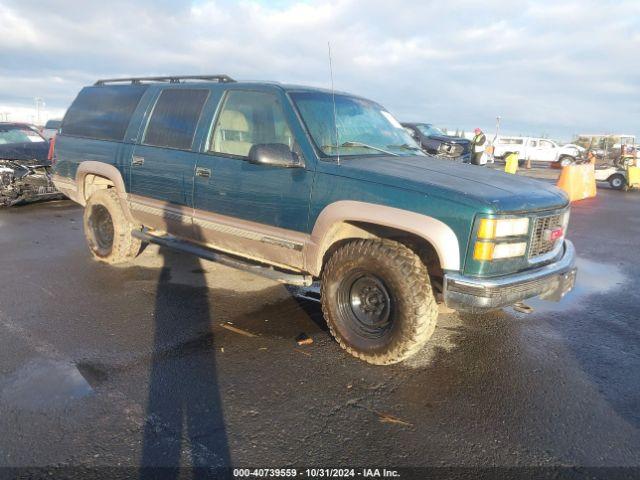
184,421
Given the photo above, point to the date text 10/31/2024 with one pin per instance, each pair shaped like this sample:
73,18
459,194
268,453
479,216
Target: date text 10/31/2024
315,473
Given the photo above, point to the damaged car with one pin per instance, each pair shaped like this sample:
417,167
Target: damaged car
24,165
435,142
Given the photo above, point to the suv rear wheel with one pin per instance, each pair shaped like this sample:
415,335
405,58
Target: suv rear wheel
107,229
377,300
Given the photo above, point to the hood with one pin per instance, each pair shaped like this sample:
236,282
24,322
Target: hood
30,151
448,139
471,184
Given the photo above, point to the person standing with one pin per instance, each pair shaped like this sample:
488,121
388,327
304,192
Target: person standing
477,146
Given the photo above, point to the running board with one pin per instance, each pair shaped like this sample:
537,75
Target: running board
290,278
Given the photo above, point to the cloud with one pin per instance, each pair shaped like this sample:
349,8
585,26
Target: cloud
544,66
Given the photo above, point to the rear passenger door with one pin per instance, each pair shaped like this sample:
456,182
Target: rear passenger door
162,164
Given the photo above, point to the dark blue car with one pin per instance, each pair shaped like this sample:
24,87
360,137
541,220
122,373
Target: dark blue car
435,142
24,167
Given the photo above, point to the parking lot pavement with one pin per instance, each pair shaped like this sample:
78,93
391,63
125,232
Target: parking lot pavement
538,171
137,365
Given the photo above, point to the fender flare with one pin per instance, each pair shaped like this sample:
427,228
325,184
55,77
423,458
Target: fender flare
108,171
437,233
100,169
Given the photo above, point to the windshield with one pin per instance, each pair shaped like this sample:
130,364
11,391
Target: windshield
427,129
15,134
363,127
53,124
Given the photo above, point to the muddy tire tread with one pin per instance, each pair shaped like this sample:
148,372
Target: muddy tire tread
125,246
422,310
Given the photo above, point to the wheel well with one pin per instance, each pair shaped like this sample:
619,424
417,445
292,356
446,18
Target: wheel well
93,183
422,247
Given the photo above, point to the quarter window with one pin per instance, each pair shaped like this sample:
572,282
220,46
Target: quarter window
175,118
248,119
102,112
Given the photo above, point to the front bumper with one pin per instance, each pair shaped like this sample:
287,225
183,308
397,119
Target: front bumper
550,282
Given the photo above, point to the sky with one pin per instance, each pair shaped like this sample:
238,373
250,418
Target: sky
546,67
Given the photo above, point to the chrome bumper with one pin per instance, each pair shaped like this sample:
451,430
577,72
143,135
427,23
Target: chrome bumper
550,282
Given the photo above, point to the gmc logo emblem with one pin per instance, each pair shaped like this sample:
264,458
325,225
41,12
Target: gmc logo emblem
553,235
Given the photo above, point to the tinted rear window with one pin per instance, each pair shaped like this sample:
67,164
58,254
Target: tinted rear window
102,112
175,117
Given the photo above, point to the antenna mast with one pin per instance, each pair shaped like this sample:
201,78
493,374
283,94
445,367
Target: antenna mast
333,95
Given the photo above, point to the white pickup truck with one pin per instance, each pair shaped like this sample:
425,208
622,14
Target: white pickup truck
537,149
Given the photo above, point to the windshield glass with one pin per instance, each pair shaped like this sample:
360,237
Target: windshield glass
363,127
18,135
429,129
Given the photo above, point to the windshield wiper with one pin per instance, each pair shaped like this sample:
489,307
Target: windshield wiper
348,144
404,146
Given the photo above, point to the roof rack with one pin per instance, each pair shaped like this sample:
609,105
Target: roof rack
171,79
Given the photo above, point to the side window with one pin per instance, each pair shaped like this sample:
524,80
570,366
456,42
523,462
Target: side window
248,119
174,118
102,112
546,144
534,143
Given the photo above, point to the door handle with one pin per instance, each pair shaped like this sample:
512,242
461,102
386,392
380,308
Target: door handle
203,172
137,161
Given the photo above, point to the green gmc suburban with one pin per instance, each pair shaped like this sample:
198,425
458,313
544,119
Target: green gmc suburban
302,185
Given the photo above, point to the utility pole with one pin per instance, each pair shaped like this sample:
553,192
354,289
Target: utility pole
39,104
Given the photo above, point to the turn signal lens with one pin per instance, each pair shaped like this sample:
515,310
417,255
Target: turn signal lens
491,228
487,228
483,251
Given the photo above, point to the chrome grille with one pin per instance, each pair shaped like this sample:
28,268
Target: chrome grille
540,246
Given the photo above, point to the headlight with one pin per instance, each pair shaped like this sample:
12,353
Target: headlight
445,148
495,229
491,228
485,251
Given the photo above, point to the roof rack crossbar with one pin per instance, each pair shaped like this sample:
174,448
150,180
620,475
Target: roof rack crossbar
170,79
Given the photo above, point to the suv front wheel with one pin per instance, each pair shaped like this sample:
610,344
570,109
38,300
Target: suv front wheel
377,300
107,229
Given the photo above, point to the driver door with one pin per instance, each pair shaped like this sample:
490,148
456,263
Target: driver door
262,203
547,151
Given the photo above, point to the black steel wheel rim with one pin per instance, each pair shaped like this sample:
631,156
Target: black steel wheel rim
364,300
102,226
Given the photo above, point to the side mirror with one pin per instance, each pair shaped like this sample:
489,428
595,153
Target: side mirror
275,155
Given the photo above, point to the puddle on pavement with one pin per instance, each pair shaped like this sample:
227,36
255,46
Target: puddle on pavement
593,278
43,384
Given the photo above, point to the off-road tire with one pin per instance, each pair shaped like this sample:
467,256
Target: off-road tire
413,311
617,181
104,206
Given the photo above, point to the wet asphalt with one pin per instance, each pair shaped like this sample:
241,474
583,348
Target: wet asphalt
136,366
